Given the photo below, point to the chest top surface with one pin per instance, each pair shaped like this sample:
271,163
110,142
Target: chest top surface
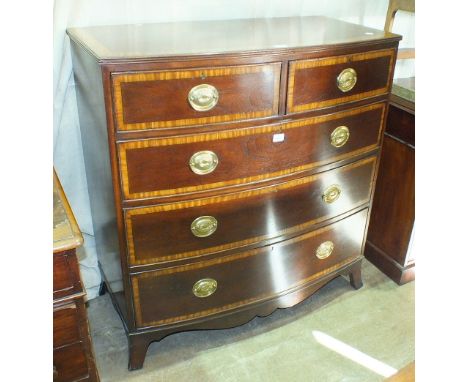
66,232
194,38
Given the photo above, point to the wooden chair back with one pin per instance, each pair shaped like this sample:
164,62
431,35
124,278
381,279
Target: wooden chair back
393,7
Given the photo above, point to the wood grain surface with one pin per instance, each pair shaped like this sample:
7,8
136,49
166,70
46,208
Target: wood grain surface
391,228
279,267
150,100
278,104
312,83
159,167
162,232
195,39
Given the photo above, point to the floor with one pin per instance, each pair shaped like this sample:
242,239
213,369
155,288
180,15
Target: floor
338,334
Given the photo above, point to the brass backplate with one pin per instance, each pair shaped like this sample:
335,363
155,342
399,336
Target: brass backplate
204,287
203,97
339,136
203,162
204,226
346,79
331,194
324,250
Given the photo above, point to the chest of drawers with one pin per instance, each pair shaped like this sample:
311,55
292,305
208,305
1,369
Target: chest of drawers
73,353
230,164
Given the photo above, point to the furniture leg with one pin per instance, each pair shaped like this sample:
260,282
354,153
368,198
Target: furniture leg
137,347
355,276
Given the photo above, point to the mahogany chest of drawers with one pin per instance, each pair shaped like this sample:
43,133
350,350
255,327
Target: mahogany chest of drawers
230,164
73,354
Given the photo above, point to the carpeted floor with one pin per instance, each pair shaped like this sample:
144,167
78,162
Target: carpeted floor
338,334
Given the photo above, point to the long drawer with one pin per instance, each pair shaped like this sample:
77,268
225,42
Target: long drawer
66,325
70,363
225,283
324,82
178,165
175,98
193,228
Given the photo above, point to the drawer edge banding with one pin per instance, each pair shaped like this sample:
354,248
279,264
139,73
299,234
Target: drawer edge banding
221,199
224,259
243,303
328,61
126,145
237,244
122,77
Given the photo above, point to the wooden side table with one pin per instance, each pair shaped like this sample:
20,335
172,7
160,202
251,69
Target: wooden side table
73,354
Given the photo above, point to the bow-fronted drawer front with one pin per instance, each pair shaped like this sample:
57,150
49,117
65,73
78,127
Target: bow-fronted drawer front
194,163
324,82
176,98
194,228
219,285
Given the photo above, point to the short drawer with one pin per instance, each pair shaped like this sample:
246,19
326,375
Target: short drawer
70,363
175,98
226,283
169,166
325,82
66,321
194,228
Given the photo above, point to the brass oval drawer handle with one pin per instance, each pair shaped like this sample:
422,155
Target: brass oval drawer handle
203,97
346,80
324,250
204,287
203,162
331,194
339,136
204,226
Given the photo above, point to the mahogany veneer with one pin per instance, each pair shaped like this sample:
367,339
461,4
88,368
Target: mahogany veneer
249,91
245,217
392,220
286,145
250,279
312,83
245,155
